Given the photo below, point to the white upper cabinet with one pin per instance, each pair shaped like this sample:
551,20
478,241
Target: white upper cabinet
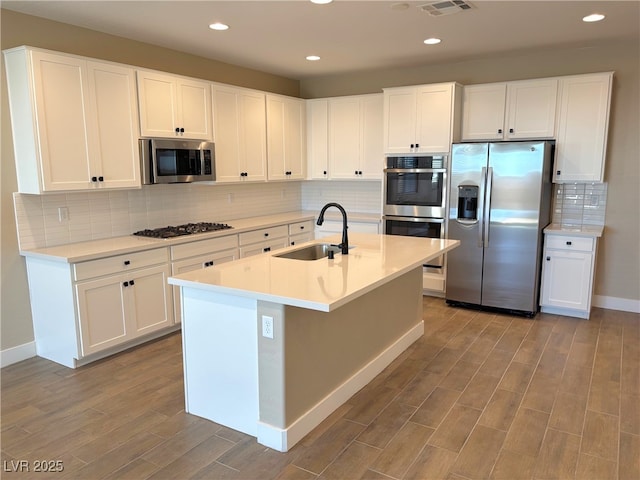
172,106
583,124
510,111
421,119
318,139
286,149
240,133
355,140
74,122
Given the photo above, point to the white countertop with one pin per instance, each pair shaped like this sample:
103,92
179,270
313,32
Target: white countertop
583,231
107,247
321,284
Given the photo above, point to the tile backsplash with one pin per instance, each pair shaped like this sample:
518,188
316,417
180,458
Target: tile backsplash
97,215
579,204
355,196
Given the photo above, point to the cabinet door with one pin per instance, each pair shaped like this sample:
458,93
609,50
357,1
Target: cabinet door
583,123
114,145
372,154
240,134
149,301
344,137
566,279
253,128
434,118
158,103
318,139
62,104
483,110
531,111
285,141
399,120
101,313
194,109
226,114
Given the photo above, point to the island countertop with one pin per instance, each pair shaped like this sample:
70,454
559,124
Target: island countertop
321,284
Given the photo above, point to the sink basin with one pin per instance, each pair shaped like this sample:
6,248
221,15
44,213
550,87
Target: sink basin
311,252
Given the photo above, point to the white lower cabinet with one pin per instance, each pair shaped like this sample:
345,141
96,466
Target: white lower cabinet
82,311
197,255
263,240
567,275
115,309
300,232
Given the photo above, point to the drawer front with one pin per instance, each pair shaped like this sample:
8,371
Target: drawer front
300,227
263,247
120,263
264,234
300,238
204,261
565,242
203,247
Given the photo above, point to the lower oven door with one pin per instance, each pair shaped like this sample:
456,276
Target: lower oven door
418,227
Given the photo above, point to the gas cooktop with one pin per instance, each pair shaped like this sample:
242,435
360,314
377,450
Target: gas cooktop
179,230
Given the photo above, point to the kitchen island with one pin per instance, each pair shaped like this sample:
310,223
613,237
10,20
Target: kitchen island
273,345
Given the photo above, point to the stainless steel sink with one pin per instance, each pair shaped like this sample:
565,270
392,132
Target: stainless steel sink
312,252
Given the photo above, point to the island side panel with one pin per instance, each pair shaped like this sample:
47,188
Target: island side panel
219,344
329,356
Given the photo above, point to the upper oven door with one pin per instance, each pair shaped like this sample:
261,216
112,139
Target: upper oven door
415,188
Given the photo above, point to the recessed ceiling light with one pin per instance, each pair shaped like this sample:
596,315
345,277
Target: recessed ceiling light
321,2
432,41
594,17
400,6
218,26
313,58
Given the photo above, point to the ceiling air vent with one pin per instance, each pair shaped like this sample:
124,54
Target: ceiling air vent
439,8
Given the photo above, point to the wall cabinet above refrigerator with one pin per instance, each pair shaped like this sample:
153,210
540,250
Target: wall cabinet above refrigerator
510,110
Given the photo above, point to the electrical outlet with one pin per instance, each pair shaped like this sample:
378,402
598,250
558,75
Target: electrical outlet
230,198
267,326
63,214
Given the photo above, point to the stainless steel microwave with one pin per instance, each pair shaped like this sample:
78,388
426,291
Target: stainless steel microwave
176,161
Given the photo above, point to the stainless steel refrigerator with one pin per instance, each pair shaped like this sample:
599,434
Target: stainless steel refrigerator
500,200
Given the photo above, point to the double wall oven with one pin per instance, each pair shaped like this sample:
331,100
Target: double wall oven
415,196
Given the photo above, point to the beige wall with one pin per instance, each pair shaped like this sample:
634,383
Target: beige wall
18,29
618,261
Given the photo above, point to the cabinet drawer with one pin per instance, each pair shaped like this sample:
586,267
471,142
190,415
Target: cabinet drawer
263,247
301,238
203,247
563,242
300,227
263,234
119,263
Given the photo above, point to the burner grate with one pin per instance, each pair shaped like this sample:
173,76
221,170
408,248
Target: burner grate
180,230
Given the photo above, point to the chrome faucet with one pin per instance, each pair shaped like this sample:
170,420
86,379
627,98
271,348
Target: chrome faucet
344,246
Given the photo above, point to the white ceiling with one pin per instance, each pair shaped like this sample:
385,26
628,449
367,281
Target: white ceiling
349,35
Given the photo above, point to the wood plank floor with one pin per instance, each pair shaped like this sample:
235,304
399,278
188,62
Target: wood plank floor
480,396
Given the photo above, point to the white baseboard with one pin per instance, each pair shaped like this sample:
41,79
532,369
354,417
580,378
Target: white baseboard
17,354
616,303
283,439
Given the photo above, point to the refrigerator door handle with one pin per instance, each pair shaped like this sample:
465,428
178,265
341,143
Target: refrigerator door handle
483,183
487,202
